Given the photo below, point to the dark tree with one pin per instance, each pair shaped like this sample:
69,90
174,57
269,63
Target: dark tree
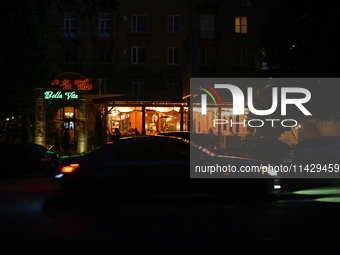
301,38
23,64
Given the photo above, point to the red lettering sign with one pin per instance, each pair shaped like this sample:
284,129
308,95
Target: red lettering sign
81,84
66,84
55,82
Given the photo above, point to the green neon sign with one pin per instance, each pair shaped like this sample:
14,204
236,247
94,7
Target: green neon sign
66,95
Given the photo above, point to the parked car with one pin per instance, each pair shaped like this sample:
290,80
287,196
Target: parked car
318,150
207,141
152,166
21,159
272,151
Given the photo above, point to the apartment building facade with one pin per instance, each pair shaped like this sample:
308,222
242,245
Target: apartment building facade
143,47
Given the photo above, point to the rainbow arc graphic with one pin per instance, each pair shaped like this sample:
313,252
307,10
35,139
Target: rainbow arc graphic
209,93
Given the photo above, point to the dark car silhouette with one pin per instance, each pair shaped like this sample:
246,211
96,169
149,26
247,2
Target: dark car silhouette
152,166
19,159
272,151
207,141
318,150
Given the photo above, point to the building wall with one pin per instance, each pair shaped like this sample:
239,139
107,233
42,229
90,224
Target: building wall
81,52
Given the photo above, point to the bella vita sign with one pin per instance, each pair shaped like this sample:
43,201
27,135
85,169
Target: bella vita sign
66,95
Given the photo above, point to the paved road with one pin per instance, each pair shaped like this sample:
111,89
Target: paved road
37,221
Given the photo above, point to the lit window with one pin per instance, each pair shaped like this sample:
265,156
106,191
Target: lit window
139,23
241,25
138,55
173,24
173,56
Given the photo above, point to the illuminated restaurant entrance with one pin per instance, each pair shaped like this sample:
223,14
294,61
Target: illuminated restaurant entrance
63,105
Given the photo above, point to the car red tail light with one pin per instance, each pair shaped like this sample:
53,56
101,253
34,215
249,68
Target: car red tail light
69,169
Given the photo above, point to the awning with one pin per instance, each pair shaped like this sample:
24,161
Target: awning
159,96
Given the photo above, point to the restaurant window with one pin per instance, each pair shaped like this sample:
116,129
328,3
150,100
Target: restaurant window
70,28
173,24
241,25
173,56
125,119
139,23
237,124
138,55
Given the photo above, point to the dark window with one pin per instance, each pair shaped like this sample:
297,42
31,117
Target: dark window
70,25
105,25
138,55
139,23
173,56
70,55
105,55
207,56
173,24
240,57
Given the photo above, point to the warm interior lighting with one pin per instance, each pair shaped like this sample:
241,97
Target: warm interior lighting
69,169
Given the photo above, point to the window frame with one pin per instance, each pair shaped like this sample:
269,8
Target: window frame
241,25
173,28
173,85
106,52
68,26
135,55
70,55
140,86
135,27
107,22
172,56
241,59
206,57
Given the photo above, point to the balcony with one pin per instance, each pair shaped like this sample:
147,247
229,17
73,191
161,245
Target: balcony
105,33
140,69
69,32
104,67
208,35
72,67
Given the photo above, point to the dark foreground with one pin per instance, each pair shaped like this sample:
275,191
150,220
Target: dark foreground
34,219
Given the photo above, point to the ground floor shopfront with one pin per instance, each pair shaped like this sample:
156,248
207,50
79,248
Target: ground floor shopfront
73,103
149,114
